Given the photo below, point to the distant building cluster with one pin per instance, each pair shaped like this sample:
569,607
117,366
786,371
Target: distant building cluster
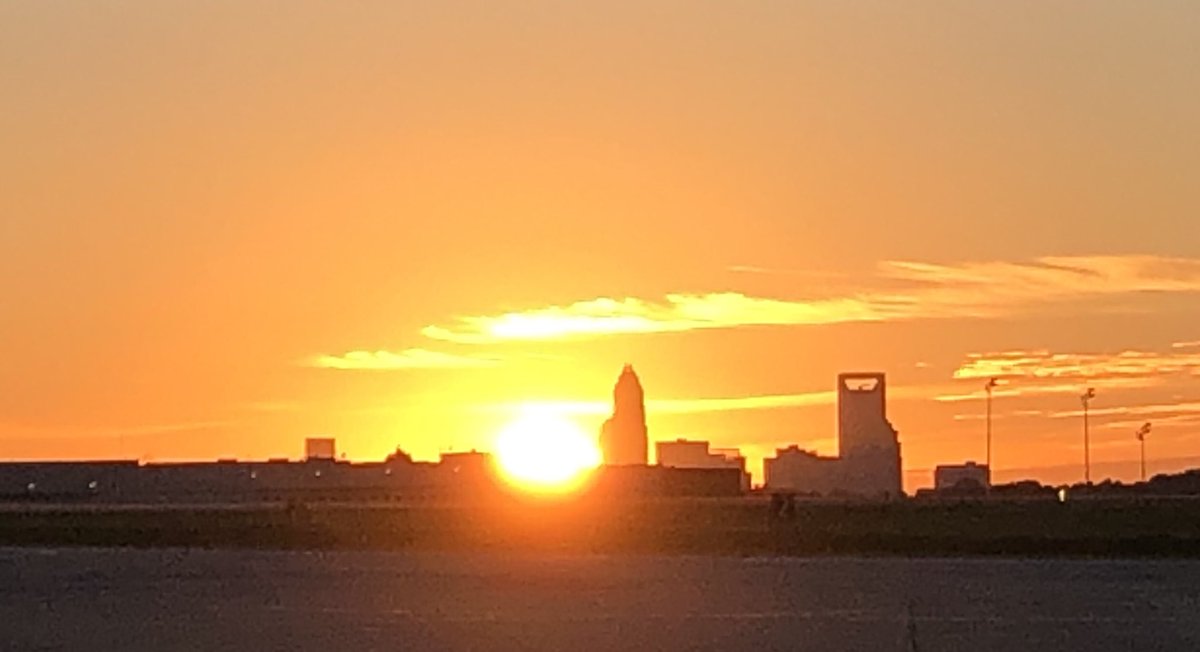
867,465
686,454
461,476
318,477
868,461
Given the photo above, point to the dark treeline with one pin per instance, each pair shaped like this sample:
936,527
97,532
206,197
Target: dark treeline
1084,527
1176,485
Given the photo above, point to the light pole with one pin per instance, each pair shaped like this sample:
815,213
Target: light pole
988,387
1087,454
1141,435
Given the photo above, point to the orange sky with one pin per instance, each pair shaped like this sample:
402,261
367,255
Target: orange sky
225,227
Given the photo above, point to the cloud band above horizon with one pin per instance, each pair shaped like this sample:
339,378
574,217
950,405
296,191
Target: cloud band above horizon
926,291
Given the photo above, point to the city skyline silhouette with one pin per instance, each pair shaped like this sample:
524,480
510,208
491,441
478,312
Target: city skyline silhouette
865,460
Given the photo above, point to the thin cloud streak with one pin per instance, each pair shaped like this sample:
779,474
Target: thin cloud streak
676,313
675,406
1171,421
769,402
1046,365
162,429
147,430
406,359
1169,409
1038,388
997,416
923,291
567,407
775,271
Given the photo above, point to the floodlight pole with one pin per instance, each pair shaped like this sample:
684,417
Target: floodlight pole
1143,442
1141,435
991,383
1087,455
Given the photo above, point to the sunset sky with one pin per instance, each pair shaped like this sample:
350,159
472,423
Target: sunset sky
226,226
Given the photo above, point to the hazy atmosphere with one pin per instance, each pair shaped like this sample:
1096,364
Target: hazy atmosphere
227,226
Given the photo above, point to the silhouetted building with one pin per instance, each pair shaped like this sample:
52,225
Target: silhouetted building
798,470
320,448
470,462
467,476
868,461
867,442
219,482
684,454
961,476
631,482
623,437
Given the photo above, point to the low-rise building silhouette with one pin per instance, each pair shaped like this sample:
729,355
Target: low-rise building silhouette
802,471
232,481
685,454
320,448
956,477
456,477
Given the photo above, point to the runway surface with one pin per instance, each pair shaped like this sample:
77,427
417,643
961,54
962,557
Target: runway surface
126,599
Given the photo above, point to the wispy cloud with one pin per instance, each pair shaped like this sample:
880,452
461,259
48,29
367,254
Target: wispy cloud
677,312
769,402
1044,365
1152,410
1160,422
406,359
162,428
1051,277
1015,414
701,405
143,430
1041,372
903,290
780,271
675,405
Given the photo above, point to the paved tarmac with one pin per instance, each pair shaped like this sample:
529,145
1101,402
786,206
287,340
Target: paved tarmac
125,599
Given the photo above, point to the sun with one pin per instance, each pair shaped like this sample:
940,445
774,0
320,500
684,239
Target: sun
545,452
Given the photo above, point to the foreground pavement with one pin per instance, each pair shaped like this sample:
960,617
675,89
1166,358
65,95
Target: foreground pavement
173,599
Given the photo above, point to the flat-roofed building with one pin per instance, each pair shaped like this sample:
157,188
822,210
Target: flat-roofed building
688,454
320,448
961,477
794,469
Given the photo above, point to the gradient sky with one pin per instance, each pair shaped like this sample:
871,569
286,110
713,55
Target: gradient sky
226,226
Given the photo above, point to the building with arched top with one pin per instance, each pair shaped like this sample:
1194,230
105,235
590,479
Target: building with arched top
623,438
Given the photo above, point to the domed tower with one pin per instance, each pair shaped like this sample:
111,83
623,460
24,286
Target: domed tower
623,438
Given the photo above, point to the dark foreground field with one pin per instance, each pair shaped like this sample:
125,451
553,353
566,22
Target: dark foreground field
1159,528
180,599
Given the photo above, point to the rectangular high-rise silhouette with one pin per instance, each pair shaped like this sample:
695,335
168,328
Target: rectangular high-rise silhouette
868,461
867,443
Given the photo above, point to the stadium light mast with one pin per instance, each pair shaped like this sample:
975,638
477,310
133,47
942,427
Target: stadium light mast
1141,435
988,387
1086,398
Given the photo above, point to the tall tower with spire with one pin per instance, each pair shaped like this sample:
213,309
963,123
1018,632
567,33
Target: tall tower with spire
623,438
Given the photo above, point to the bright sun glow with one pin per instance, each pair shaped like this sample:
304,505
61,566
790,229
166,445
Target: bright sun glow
545,451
